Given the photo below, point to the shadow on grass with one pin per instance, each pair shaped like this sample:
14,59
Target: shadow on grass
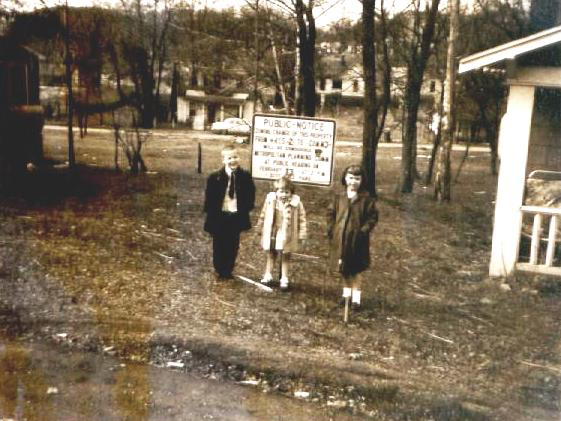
51,186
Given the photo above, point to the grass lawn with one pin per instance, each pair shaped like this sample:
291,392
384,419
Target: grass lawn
121,263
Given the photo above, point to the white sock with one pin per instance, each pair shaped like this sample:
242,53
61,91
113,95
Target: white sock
346,292
356,296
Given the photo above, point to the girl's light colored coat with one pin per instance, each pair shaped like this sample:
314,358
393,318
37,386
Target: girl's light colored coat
293,227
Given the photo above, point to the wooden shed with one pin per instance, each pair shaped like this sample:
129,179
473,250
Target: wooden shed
21,115
526,229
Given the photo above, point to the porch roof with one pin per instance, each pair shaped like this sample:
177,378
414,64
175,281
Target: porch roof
219,99
511,50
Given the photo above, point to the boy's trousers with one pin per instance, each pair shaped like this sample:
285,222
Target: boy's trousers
226,243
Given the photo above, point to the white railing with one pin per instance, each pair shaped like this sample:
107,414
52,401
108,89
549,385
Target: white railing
537,263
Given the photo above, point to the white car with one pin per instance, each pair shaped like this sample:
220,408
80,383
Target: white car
232,125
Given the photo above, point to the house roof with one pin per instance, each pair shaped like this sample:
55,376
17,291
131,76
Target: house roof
511,50
10,51
219,99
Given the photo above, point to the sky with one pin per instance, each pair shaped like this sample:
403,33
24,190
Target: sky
332,12
350,9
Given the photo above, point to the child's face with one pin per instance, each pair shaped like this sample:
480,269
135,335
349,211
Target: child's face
353,181
283,194
231,159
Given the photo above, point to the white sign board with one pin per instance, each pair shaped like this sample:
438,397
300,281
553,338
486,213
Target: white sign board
299,146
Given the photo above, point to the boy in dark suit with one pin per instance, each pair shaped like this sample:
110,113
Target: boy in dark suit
229,197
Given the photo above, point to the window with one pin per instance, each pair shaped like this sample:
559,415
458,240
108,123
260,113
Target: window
337,83
355,85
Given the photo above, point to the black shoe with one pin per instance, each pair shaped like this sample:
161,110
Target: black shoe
221,277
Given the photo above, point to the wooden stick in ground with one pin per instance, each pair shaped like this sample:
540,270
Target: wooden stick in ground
199,159
323,285
257,284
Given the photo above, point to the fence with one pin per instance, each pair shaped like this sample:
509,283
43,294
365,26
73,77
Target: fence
543,256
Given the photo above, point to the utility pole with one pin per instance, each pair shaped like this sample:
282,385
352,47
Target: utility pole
297,106
256,85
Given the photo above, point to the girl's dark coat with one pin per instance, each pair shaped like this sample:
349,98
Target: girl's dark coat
352,245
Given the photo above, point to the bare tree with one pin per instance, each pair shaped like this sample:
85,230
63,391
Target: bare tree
145,51
493,22
419,48
130,141
305,98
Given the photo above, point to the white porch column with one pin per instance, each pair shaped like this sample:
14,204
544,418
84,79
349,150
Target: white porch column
514,139
221,112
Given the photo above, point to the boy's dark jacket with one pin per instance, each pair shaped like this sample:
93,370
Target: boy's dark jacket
214,197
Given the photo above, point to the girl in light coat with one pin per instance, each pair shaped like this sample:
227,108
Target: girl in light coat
283,222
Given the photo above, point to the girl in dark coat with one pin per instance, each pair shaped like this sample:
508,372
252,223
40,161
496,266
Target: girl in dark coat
351,217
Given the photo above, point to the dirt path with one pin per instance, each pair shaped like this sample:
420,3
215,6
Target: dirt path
59,383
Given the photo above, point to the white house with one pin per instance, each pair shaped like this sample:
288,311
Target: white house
203,109
529,149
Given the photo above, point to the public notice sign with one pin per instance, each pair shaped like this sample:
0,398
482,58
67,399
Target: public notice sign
298,146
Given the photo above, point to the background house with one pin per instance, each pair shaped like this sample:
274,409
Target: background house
208,100
340,87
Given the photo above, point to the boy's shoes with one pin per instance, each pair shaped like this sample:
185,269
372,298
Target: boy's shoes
267,278
224,277
284,283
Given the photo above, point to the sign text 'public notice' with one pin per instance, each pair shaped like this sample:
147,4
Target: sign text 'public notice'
299,147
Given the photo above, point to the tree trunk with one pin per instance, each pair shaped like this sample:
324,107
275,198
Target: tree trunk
276,61
307,38
437,137
148,107
69,94
409,143
369,128
443,177
491,135
434,150
173,95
